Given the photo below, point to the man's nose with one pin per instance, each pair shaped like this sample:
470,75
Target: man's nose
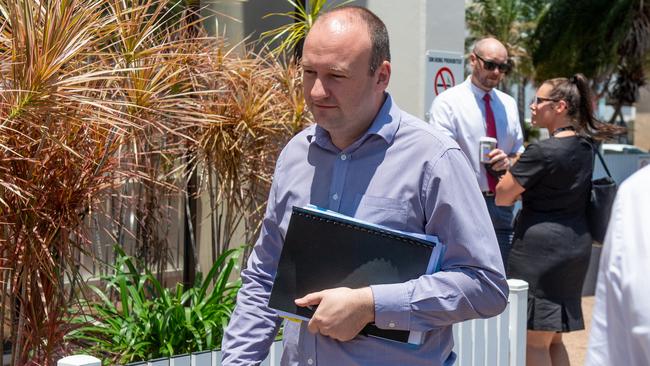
318,90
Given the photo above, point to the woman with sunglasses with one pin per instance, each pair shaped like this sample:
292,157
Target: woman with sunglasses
552,245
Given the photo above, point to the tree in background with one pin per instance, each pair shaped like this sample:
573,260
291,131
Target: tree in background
607,40
290,37
513,22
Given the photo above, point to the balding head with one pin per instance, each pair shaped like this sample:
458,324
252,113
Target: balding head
380,46
492,46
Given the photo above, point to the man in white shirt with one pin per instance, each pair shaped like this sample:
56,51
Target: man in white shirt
620,327
475,109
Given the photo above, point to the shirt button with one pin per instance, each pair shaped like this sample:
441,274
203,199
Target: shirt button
335,197
344,157
391,325
310,361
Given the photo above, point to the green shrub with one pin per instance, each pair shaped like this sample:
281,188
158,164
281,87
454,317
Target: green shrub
150,321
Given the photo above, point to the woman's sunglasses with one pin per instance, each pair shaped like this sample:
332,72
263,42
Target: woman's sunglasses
539,100
504,68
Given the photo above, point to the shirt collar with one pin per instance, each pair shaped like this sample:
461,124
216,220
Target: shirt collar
478,92
384,125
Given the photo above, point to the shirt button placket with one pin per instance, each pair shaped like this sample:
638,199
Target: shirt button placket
340,171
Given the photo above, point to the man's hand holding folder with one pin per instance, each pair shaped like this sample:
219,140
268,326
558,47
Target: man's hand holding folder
341,313
332,260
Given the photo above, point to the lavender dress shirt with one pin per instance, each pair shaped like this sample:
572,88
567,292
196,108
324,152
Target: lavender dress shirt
403,174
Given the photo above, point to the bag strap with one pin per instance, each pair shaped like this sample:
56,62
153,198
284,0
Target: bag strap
602,161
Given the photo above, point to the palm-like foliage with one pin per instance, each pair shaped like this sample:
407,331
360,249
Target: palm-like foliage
290,36
158,59
255,110
614,47
99,102
58,135
571,41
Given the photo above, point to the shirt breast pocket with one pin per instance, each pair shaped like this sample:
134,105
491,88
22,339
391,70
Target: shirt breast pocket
389,212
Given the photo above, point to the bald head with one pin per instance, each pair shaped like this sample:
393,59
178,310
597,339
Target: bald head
492,46
344,16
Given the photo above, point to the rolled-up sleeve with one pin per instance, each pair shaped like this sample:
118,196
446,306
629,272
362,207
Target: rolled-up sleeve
471,282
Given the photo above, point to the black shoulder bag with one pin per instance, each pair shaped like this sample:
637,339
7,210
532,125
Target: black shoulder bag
603,192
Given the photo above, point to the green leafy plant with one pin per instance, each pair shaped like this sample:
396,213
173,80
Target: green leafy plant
136,318
302,19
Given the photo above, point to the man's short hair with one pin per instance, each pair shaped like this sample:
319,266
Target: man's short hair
376,29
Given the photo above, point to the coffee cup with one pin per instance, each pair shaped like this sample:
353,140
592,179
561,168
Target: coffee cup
485,146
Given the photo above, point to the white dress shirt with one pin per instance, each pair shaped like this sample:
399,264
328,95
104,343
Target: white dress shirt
460,113
620,333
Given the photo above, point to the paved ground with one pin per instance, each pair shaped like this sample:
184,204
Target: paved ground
576,342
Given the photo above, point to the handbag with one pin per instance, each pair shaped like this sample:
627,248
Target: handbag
599,208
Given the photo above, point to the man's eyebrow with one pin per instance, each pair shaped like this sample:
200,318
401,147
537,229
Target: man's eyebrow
338,69
333,68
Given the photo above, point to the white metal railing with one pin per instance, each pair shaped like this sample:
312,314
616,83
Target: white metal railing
497,341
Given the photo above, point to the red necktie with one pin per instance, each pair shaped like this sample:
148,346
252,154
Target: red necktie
491,131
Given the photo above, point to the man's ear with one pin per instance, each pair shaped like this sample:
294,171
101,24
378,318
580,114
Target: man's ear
383,74
472,60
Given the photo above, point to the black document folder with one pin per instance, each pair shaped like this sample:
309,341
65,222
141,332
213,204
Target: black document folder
324,249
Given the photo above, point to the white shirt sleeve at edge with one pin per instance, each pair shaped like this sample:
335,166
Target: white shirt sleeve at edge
620,333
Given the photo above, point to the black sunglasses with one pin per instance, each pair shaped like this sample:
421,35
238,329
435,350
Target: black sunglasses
504,68
537,100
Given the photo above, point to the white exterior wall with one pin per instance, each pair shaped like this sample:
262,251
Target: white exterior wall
415,26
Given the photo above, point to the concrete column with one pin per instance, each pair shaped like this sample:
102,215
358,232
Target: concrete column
415,26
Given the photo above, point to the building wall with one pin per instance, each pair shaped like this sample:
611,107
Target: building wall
415,26
241,20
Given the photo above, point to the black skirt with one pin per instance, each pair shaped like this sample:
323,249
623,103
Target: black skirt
552,255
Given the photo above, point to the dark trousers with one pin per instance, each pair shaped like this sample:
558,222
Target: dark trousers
502,218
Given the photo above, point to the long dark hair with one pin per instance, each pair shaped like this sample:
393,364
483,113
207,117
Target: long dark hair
575,91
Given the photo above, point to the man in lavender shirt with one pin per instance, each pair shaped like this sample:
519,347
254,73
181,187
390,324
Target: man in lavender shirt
368,159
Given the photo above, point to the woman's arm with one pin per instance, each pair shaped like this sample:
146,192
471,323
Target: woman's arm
508,190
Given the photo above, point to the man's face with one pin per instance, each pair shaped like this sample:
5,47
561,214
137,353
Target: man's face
481,76
339,90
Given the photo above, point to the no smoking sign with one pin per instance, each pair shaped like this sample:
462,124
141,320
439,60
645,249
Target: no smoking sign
444,70
444,80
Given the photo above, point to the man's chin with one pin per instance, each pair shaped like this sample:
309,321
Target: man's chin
323,118
492,83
